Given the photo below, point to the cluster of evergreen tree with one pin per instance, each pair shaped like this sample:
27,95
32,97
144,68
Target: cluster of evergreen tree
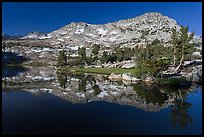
155,57
152,59
119,54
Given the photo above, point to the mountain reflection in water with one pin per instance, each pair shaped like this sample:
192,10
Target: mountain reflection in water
86,88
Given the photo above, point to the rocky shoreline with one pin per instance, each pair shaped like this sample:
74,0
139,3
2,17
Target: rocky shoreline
194,74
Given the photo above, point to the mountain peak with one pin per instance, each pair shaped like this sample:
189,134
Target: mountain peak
140,30
35,35
153,13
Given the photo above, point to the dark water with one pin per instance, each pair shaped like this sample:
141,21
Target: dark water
49,113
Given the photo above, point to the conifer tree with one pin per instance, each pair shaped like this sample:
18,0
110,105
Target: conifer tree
62,59
183,45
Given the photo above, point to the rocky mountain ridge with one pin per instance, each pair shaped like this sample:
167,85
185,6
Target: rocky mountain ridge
35,35
139,30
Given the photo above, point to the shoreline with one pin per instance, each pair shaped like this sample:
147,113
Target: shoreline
116,73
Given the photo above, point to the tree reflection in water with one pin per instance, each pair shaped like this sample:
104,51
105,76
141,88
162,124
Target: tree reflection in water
179,112
82,84
62,79
149,93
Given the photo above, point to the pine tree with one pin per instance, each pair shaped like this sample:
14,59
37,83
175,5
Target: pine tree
175,41
183,45
95,50
104,57
82,52
62,59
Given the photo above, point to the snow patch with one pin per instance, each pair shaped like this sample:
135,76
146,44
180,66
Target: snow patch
92,35
65,93
74,79
46,89
45,37
79,31
114,32
41,78
101,31
103,94
114,92
61,40
74,48
90,91
80,95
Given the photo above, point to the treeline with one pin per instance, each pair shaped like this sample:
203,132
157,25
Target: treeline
152,59
119,54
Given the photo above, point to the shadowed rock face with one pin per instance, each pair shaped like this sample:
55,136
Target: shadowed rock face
87,88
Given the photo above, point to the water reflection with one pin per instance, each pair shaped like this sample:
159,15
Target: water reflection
12,58
86,88
151,94
179,112
12,71
62,78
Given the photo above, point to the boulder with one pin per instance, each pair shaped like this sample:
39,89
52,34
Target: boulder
149,79
115,76
196,54
191,63
126,77
129,65
129,78
197,74
134,79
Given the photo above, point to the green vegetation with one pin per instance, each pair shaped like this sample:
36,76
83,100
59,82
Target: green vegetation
152,59
82,52
156,58
95,50
62,59
119,54
96,70
181,46
104,57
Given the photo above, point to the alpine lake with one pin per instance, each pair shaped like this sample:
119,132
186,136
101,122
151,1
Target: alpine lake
37,100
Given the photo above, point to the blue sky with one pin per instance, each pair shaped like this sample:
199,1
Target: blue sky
20,18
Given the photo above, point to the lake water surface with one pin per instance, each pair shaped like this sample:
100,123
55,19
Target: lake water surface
39,101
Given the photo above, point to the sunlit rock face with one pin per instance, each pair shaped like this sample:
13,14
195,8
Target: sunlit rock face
87,88
129,32
138,30
35,35
133,32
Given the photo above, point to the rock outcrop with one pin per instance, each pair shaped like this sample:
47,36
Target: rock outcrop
197,74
